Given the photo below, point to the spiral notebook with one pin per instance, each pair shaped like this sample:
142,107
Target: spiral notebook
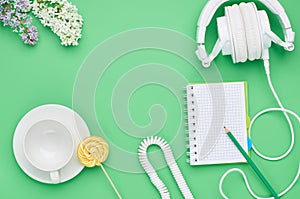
210,107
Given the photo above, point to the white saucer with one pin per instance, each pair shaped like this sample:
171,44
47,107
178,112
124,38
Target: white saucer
70,119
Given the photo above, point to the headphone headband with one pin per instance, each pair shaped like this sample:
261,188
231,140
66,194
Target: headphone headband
277,9
205,18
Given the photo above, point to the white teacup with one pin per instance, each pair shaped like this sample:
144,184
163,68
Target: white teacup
49,146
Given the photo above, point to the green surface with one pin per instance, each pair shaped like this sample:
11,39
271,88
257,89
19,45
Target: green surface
46,73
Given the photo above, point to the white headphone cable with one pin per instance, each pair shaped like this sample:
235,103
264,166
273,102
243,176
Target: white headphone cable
248,186
285,114
285,111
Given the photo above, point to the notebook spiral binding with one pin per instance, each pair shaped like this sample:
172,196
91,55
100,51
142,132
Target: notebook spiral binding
156,181
192,123
185,119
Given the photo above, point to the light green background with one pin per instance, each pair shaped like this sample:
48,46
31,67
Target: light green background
32,76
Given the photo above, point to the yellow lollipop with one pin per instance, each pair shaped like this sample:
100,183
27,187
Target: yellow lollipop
93,151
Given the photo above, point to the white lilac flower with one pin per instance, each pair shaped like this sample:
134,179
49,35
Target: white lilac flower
62,17
13,13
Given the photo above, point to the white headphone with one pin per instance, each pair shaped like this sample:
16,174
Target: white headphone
244,32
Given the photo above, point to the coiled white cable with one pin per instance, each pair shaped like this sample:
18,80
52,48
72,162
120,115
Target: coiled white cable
242,9
156,181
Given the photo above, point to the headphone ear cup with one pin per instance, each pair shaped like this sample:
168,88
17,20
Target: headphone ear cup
252,30
238,34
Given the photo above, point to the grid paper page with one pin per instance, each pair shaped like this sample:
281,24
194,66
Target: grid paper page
210,108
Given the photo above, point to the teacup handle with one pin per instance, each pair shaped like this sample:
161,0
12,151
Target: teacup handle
54,175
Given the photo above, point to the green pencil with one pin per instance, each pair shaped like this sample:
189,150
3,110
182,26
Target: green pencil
254,167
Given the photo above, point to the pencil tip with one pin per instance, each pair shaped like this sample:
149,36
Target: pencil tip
226,130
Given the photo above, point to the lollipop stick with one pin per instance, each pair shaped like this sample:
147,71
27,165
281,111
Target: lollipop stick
110,181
